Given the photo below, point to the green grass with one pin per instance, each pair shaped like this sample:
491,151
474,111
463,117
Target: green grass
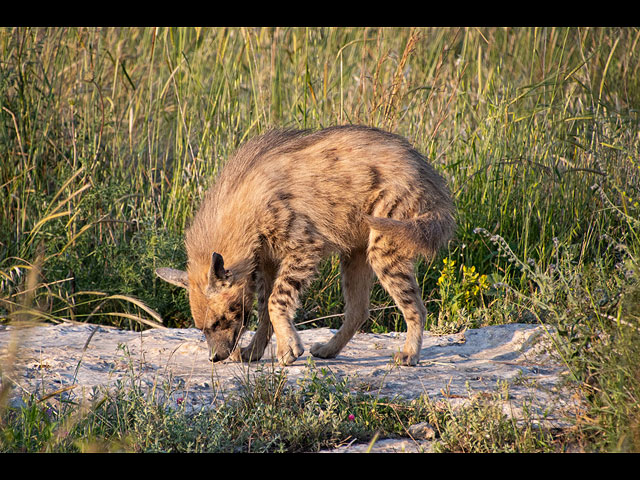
110,136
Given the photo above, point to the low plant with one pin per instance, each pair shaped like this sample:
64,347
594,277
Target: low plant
268,414
461,295
482,426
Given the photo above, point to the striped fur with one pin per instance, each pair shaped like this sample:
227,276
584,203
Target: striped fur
285,200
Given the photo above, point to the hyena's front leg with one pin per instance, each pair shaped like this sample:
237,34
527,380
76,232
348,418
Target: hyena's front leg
357,278
260,340
396,275
254,351
292,277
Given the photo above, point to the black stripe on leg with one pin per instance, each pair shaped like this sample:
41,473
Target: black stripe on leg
295,284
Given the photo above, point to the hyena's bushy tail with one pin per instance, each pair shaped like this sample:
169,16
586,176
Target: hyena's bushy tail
424,234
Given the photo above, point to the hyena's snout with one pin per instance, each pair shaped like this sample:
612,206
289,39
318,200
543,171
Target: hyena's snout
221,344
217,355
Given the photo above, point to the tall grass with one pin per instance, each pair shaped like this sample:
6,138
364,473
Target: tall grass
110,136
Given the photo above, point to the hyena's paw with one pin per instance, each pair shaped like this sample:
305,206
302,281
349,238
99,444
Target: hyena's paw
323,350
235,356
290,350
250,354
402,358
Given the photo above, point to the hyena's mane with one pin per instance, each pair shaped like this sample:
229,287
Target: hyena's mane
225,219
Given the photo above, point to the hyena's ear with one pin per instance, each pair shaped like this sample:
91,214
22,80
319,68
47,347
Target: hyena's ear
217,274
175,277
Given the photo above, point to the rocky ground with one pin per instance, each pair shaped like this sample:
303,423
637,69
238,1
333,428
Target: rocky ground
79,359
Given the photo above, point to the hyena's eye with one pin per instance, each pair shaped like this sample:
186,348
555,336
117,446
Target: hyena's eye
236,310
213,323
223,322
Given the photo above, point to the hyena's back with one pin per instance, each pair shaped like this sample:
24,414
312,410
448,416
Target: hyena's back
335,185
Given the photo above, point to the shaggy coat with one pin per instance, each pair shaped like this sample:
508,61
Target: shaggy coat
287,199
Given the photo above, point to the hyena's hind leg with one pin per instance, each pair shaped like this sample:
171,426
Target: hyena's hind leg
394,270
357,278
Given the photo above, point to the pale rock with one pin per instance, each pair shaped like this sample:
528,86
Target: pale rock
421,431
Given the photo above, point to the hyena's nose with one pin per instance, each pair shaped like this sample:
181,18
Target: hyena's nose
214,356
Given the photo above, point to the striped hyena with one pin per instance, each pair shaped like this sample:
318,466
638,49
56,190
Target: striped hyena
285,200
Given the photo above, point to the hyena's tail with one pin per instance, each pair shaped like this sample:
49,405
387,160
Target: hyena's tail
424,234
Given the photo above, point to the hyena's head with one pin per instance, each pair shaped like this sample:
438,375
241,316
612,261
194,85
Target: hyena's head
220,305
